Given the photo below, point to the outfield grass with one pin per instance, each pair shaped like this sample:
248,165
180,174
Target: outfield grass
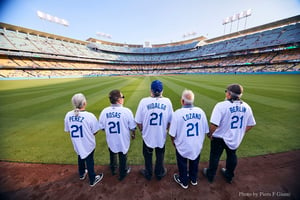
32,113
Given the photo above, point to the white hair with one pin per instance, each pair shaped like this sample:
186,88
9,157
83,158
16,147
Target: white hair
188,96
78,101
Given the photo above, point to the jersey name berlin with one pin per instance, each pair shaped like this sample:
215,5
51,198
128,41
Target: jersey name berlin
237,109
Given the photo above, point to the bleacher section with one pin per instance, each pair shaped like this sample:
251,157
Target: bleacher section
29,53
145,50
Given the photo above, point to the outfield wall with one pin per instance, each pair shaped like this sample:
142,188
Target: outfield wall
140,74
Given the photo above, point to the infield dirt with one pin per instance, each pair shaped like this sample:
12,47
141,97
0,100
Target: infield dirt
273,176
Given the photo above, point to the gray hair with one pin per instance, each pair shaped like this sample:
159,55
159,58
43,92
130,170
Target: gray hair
188,96
78,101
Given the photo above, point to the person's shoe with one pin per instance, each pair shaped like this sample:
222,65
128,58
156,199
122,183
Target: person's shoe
194,182
145,174
164,174
228,180
83,176
210,180
98,178
127,172
177,180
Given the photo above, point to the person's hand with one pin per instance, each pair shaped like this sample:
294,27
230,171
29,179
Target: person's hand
133,136
209,135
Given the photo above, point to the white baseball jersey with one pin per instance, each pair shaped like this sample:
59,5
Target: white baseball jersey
232,120
154,113
189,127
117,121
82,129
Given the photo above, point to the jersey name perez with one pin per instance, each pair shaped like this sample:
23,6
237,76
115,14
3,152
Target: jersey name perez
76,119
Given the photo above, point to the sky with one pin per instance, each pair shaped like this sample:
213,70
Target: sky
140,21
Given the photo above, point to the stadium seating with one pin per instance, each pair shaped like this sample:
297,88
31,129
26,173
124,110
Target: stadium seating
36,55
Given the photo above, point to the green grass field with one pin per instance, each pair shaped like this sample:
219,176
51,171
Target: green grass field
32,113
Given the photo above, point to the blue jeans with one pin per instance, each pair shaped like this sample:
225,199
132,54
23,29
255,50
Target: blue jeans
89,162
184,173
159,169
217,146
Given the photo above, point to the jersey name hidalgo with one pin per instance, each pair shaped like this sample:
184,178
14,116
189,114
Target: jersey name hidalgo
154,113
189,126
232,118
117,121
82,129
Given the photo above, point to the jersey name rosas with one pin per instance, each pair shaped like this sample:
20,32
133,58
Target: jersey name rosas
189,116
237,109
113,115
76,119
156,105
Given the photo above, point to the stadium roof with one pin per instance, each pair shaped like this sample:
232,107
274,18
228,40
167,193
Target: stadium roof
272,25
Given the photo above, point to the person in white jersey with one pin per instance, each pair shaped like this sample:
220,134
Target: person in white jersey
187,130
230,120
119,125
83,126
153,117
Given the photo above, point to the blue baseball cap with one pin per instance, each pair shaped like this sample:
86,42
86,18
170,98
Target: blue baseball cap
156,86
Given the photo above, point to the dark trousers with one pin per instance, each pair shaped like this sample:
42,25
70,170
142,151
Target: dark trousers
159,169
87,163
184,173
217,145
114,163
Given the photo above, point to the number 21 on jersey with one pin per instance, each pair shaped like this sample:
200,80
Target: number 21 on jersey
156,119
114,127
76,131
192,129
237,122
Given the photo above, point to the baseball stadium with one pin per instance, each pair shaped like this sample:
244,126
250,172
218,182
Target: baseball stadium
41,71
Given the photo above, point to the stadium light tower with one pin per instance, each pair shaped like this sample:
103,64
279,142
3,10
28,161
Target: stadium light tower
248,13
189,34
226,21
241,15
104,35
237,17
50,18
